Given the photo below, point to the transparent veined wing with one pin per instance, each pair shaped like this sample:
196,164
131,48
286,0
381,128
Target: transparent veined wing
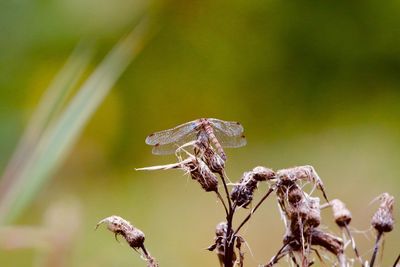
230,141
170,148
229,128
228,133
171,135
165,149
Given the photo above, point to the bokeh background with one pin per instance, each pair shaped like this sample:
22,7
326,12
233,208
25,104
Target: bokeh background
312,82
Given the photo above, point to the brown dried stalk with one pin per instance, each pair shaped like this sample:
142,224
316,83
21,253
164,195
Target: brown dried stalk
343,218
133,236
382,221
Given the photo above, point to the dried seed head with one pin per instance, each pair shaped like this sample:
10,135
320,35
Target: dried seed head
308,210
383,220
263,174
202,174
242,193
341,214
306,173
314,214
295,195
328,241
221,229
220,235
213,160
120,226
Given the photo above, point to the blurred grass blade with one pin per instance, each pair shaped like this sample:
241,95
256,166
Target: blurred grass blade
60,135
50,104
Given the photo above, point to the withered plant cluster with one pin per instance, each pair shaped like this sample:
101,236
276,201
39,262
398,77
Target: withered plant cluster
304,241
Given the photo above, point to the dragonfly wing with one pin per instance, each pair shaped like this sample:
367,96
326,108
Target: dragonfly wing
170,148
228,133
229,128
230,141
171,135
165,149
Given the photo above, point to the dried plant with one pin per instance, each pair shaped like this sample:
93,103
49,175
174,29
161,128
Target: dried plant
198,146
133,236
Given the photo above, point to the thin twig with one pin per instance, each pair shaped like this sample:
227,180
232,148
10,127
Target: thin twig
144,250
397,261
376,247
353,243
270,190
224,178
293,258
223,202
277,256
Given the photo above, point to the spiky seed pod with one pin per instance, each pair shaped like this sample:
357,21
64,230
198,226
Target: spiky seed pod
341,214
213,160
202,174
383,220
242,193
263,174
119,226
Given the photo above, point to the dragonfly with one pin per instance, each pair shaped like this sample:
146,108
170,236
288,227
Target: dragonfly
220,133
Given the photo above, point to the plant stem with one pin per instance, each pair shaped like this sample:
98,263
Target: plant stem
229,239
397,261
277,256
223,178
353,243
228,243
270,190
223,202
376,247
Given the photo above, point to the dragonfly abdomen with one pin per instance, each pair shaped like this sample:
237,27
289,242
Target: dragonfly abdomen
213,139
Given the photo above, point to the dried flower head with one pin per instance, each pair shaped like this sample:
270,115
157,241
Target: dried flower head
306,173
120,226
261,173
219,242
295,195
213,160
314,213
200,172
383,220
341,214
328,241
307,210
242,193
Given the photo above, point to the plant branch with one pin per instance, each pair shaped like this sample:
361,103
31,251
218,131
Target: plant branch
270,190
223,202
224,178
353,243
397,261
277,256
376,247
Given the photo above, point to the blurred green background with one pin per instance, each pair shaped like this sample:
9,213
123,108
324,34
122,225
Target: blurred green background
312,82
